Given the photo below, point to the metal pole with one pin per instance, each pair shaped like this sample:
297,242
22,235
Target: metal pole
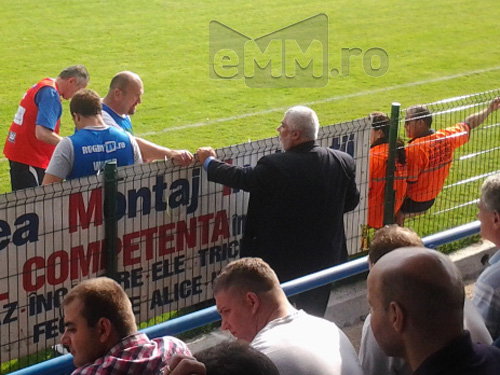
110,222
391,166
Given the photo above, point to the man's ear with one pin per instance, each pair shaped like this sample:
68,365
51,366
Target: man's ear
253,301
496,219
104,329
296,134
397,316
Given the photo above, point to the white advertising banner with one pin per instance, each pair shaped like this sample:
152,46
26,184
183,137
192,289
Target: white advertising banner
175,232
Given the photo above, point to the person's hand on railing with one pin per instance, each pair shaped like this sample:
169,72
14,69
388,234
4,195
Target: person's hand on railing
181,157
205,152
494,105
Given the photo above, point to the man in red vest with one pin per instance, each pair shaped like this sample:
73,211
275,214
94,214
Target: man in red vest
34,133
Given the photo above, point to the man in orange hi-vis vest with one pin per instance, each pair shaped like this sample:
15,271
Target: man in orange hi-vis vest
429,155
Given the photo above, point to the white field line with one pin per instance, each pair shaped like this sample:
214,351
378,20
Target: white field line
456,207
326,100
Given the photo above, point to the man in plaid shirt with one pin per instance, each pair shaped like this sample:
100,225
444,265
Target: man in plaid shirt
101,333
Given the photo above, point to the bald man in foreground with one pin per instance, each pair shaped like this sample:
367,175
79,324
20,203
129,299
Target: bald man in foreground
416,299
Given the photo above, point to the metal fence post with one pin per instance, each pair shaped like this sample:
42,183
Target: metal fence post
391,166
110,220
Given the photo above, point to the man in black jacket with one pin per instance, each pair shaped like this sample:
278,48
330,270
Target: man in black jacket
297,202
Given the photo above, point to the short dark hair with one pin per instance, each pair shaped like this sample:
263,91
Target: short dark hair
381,121
392,237
236,358
248,275
421,112
103,297
77,71
86,102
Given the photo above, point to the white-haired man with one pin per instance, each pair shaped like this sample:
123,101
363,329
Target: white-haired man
487,287
297,201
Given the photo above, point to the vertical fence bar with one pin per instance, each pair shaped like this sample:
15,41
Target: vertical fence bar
110,222
391,166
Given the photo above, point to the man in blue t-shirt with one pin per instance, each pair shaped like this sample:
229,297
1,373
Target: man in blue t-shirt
93,144
125,92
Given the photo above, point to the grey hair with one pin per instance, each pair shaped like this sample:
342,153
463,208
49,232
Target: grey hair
78,71
490,193
303,119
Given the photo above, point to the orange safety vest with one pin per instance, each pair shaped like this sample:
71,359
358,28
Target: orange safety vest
376,188
22,145
429,160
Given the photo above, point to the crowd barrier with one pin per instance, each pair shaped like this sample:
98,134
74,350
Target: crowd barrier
63,365
174,230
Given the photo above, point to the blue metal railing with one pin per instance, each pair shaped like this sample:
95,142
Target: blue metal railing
64,365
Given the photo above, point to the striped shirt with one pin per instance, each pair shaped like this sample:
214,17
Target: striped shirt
136,354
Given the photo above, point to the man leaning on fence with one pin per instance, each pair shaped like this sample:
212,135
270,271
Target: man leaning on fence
254,308
429,155
34,132
297,201
101,333
86,152
487,286
123,97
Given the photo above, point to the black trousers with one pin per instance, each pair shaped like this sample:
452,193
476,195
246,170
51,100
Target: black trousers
23,176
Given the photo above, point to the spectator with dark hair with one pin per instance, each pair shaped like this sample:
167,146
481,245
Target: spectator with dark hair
487,287
236,358
93,144
379,154
124,95
430,154
371,356
34,132
416,299
297,203
101,333
255,309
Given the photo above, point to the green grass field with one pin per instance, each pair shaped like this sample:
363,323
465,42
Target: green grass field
436,49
